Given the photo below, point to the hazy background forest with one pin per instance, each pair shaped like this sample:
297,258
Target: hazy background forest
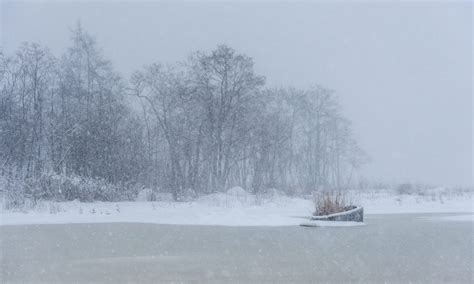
189,99
73,128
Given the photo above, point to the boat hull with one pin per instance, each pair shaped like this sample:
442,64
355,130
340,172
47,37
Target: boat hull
354,215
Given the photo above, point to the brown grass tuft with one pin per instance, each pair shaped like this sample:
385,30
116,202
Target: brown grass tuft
329,203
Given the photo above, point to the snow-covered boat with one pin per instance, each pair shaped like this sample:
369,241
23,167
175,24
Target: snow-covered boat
353,216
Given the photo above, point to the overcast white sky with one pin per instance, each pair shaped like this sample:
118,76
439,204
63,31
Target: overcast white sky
402,70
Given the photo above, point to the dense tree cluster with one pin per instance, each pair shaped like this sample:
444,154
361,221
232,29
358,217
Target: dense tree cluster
202,125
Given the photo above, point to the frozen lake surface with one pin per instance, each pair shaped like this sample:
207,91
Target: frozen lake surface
391,248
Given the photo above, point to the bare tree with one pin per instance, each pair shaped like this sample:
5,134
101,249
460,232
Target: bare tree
226,85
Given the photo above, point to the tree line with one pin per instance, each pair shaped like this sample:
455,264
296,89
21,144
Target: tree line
201,125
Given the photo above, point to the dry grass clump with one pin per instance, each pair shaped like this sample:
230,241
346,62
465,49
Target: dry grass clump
329,203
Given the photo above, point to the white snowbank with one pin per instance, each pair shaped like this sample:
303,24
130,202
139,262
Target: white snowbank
192,213
234,208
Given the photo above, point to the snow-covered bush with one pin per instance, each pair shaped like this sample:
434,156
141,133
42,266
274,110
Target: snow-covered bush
62,187
13,193
404,188
20,192
415,189
164,196
187,195
146,194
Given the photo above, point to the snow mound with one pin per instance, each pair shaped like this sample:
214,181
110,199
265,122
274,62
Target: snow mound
237,191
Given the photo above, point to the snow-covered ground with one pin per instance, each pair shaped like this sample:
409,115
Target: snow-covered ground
234,208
